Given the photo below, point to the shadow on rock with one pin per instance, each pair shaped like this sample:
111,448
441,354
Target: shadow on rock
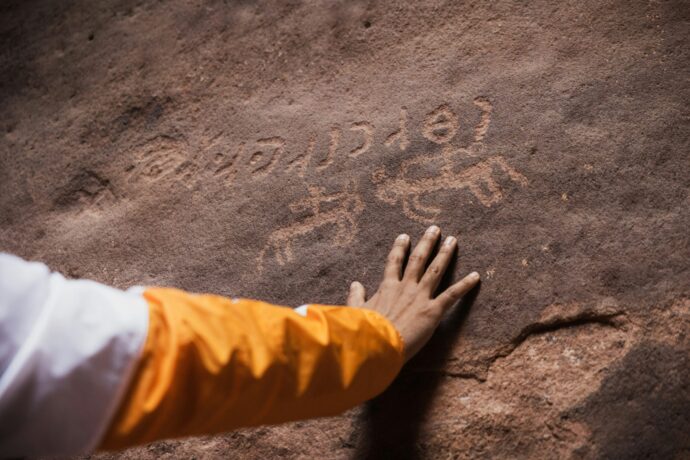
642,409
391,423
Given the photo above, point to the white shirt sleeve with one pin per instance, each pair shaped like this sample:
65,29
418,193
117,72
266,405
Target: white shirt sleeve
67,352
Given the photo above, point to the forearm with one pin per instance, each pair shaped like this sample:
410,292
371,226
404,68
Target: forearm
81,359
212,364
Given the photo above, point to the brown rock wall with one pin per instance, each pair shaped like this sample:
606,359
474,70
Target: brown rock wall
274,149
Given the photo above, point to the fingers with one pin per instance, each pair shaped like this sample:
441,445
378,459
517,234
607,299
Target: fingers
418,258
356,297
433,275
451,295
396,258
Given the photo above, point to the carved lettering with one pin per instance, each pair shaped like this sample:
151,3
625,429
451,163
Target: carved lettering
276,146
367,130
301,162
441,125
225,166
399,136
332,147
483,126
160,157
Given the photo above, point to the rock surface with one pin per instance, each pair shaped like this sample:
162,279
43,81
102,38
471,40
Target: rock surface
274,149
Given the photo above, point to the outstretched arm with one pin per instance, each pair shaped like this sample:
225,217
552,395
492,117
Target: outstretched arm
180,364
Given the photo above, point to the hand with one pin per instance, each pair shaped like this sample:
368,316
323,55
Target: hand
406,299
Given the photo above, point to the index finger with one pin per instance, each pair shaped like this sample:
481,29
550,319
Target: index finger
447,298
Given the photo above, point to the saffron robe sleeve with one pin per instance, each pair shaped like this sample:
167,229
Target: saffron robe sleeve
163,363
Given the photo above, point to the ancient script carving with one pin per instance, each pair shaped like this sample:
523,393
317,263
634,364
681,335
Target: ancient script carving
162,157
367,130
224,166
441,125
332,148
301,162
399,136
275,146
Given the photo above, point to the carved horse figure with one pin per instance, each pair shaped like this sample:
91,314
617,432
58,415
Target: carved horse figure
348,206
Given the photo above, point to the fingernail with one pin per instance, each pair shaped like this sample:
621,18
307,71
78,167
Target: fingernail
403,237
450,241
432,230
474,276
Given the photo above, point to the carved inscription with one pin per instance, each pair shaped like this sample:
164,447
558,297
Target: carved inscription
399,136
415,185
440,127
367,130
301,162
478,179
262,161
225,165
483,126
332,147
339,209
162,157
261,158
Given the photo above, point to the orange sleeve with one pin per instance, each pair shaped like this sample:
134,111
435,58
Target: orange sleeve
211,364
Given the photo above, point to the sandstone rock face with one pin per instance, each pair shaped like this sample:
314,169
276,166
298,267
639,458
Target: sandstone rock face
274,149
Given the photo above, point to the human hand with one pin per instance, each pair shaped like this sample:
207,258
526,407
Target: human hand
406,299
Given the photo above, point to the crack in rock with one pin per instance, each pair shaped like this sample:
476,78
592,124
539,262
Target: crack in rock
557,323
549,323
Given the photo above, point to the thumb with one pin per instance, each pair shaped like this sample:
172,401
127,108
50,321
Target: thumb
356,298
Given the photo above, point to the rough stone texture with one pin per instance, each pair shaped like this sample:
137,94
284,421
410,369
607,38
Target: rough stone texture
274,149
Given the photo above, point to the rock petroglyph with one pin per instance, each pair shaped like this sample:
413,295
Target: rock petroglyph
332,147
367,130
339,209
231,141
273,155
300,163
440,127
161,157
399,136
478,179
268,156
271,149
225,166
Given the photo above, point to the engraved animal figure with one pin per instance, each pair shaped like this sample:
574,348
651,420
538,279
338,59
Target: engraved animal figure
478,179
343,209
